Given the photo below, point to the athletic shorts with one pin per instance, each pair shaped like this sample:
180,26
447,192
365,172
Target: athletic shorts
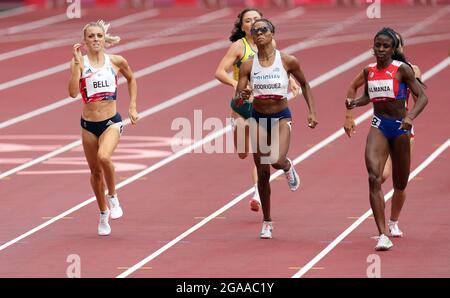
389,127
97,128
271,119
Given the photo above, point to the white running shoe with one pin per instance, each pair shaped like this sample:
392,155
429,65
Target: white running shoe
103,226
292,177
114,206
394,230
383,243
266,232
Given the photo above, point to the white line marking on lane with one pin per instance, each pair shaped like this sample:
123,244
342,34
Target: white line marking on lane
68,40
164,105
119,48
368,213
35,24
427,75
17,11
206,86
202,88
214,135
315,40
297,160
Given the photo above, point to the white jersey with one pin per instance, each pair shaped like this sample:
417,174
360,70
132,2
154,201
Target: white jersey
98,84
272,81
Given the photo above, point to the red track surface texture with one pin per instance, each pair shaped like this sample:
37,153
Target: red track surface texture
170,200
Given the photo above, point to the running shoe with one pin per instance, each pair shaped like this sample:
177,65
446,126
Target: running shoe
383,243
103,226
114,206
394,230
292,177
266,232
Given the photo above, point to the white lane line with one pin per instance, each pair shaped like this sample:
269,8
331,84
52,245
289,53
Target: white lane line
164,105
17,11
427,75
291,14
368,213
33,49
212,84
327,32
131,45
249,191
141,42
133,178
186,95
322,42
169,40
40,159
156,166
115,23
309,42
132,18
169,62
68,40
161,65
443,64
428,21
35,24
206,86
138,74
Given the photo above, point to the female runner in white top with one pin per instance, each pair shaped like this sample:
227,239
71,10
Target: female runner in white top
269,72
95,76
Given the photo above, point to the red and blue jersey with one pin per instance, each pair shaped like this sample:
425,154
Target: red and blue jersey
383,85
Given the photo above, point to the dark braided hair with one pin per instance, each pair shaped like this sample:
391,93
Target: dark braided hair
269,23
237,32
397,41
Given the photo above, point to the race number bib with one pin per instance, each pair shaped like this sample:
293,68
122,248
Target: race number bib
376,121
381,89
100,84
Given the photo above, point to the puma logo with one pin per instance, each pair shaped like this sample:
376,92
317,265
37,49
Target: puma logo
390,73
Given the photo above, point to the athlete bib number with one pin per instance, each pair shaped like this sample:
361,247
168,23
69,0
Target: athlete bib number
98,84
376,121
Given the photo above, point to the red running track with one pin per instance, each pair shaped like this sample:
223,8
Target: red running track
165,203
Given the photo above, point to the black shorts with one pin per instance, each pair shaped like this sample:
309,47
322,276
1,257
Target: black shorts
97,128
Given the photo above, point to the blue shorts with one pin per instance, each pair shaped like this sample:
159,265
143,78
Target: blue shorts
271,118
97,128
389,127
